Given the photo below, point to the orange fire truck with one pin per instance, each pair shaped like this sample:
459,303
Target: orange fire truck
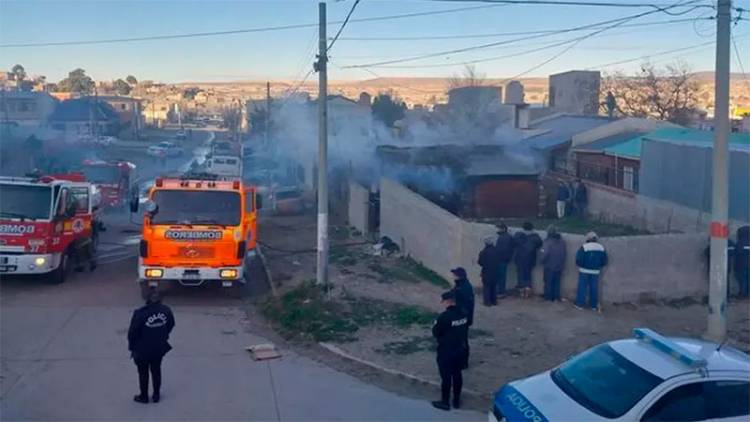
113,178
197,231
46,226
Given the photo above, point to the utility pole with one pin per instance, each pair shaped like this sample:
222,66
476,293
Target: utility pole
719,229
322,68
267,120
92,113
137,119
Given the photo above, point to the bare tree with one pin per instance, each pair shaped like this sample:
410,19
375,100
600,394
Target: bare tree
468,77
665,94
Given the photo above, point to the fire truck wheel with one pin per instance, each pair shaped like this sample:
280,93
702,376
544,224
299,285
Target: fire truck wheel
61,273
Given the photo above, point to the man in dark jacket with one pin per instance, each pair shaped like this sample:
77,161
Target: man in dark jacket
464,293
563,196
147,342
504,248
451,330
553,261
742,261
527,243
489,261
590,259
580,197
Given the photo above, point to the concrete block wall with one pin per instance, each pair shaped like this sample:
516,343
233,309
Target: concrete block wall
657,216
422,229
664,266
359,207
650,267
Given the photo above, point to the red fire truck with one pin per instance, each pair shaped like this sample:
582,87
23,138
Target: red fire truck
113,178
46,226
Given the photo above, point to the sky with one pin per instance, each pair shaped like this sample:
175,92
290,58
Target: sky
288,54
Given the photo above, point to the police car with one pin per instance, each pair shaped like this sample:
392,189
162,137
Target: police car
648,378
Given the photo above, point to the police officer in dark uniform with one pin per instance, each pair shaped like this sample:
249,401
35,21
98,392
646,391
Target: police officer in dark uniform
451,329
147,342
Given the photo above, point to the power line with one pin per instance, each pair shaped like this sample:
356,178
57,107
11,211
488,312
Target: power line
739,61
566,49
293,92
563,3
546,45
505,42
307,58
371,72
505,34
343,25
660,53
244,31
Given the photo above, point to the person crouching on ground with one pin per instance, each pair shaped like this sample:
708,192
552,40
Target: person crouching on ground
527,244
148,343
553,261
451,330
489,261
590,259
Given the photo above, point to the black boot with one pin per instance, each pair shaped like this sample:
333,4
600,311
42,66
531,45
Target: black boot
442,405
457,402
140,399
156,397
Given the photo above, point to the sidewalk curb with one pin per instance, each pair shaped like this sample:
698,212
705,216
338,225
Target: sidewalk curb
335,350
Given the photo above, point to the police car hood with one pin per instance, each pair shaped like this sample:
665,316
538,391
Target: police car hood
539,399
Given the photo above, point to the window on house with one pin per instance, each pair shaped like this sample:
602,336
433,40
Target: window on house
628,178
123,107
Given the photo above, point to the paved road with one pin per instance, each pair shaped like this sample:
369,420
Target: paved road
63,356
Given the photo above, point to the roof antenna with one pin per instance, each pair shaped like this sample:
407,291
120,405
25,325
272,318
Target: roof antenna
718,349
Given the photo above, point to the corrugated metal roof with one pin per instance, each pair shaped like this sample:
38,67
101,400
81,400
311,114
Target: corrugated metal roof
501,163
632,147
562,129
601,144
479,160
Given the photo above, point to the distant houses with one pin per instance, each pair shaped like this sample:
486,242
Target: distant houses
26,108
83,116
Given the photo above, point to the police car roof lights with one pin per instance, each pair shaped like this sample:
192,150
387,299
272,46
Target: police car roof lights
669,347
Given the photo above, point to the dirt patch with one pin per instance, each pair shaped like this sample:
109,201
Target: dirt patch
322,313
513,340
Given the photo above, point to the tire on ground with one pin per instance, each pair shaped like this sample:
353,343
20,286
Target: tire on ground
60,274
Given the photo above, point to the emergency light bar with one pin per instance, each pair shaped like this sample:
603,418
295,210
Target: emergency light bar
669,347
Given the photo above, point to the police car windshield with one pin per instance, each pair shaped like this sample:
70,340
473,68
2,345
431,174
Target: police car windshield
197,207
23,201
101,174
604,382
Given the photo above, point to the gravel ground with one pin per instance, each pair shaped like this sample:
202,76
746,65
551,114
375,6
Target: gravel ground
515,339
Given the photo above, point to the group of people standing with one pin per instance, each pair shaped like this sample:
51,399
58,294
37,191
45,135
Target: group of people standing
738,261
524,249
571,198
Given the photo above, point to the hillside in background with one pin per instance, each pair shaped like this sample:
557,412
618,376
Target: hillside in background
428,91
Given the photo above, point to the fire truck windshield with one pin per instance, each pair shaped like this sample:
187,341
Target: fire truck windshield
25,201
102,174
197,207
